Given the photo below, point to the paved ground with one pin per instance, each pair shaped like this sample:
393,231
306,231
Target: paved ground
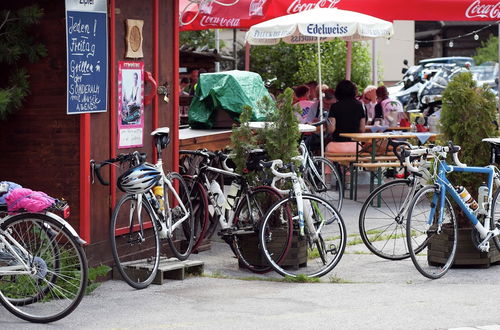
362,292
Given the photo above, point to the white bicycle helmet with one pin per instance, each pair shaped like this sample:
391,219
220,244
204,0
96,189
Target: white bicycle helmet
139,179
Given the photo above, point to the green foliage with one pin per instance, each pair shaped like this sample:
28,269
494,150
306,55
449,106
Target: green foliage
94,273
17,44
488,51
298,64
281,138
199,39
242,139
466,118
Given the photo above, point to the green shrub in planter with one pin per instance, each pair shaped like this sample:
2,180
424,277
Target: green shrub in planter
279,138
466,118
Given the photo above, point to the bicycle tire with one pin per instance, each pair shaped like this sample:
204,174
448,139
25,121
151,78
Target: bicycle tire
383,227
129,246
331,188
246,224
316,264
42,297
495,217
439,246
199,202
181,239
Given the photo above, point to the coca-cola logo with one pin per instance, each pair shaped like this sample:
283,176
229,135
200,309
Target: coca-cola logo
301,5
476,9
219,21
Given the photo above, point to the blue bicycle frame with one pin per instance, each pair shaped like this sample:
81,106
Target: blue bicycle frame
439,199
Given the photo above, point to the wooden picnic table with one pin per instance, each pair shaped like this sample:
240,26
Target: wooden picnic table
373,138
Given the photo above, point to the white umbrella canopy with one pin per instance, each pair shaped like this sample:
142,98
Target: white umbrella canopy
325,23
319,25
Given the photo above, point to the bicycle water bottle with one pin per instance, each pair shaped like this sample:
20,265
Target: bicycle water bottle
158,192
231,196
482,198
467,198
215,189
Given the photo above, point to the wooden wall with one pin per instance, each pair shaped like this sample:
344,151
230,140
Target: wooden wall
39,143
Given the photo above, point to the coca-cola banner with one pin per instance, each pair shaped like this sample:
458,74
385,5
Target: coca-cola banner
241,14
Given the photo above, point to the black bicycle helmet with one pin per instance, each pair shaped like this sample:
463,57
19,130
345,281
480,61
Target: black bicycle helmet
139,179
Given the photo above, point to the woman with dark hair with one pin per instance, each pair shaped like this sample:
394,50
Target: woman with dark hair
347,114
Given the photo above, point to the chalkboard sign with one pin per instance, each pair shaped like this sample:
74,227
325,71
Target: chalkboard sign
87,61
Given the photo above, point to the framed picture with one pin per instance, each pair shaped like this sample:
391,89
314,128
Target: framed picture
130,104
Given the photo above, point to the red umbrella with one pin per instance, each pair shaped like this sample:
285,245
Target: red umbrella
241,14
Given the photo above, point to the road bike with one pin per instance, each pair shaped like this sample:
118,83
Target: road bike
431,228
238,213
382,219
43,267
322,177
156,206
319,235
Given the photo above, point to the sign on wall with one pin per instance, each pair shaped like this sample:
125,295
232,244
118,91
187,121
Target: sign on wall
87,56
130,104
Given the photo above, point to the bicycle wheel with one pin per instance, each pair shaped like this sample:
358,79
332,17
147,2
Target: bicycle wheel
382,220
135,241
246,224
432,246
495,216
309,256
324,181
56,280
182,236
199,201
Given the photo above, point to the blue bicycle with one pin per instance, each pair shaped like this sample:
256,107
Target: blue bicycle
431,228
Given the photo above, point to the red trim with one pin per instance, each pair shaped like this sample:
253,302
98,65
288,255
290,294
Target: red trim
112,100
156,65
85,177
126,230
175,89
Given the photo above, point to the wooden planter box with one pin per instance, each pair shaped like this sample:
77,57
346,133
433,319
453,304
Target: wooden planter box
467,254
296,256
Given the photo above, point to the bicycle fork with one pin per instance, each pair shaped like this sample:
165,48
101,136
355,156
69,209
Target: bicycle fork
304,212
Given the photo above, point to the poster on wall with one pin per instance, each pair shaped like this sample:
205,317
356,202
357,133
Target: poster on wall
87,56
130,104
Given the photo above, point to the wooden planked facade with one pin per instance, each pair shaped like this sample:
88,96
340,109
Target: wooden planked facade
40,144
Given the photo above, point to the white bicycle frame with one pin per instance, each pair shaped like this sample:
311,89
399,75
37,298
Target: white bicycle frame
167,210
298,186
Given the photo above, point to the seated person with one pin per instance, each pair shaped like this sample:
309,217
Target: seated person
300,93
312,140
388,112
369,100
347,114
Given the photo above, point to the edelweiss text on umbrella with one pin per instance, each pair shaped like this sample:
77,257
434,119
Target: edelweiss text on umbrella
325,29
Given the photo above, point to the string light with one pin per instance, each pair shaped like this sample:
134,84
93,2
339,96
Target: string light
450,40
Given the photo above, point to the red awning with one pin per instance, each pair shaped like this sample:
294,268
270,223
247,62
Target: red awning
241,14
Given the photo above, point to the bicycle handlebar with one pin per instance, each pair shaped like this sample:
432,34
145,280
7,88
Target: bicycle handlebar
439,150
134,158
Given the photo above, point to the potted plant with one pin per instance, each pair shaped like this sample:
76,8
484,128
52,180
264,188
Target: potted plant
467,116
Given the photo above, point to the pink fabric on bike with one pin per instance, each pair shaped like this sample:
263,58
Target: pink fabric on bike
28,200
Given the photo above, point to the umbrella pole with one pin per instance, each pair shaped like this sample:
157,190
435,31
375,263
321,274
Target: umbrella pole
348,61
322,143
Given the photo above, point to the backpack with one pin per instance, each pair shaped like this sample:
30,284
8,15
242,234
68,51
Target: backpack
26,199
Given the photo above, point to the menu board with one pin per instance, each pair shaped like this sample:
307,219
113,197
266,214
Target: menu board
87,56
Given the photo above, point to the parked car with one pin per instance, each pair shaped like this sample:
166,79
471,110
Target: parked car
458,60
